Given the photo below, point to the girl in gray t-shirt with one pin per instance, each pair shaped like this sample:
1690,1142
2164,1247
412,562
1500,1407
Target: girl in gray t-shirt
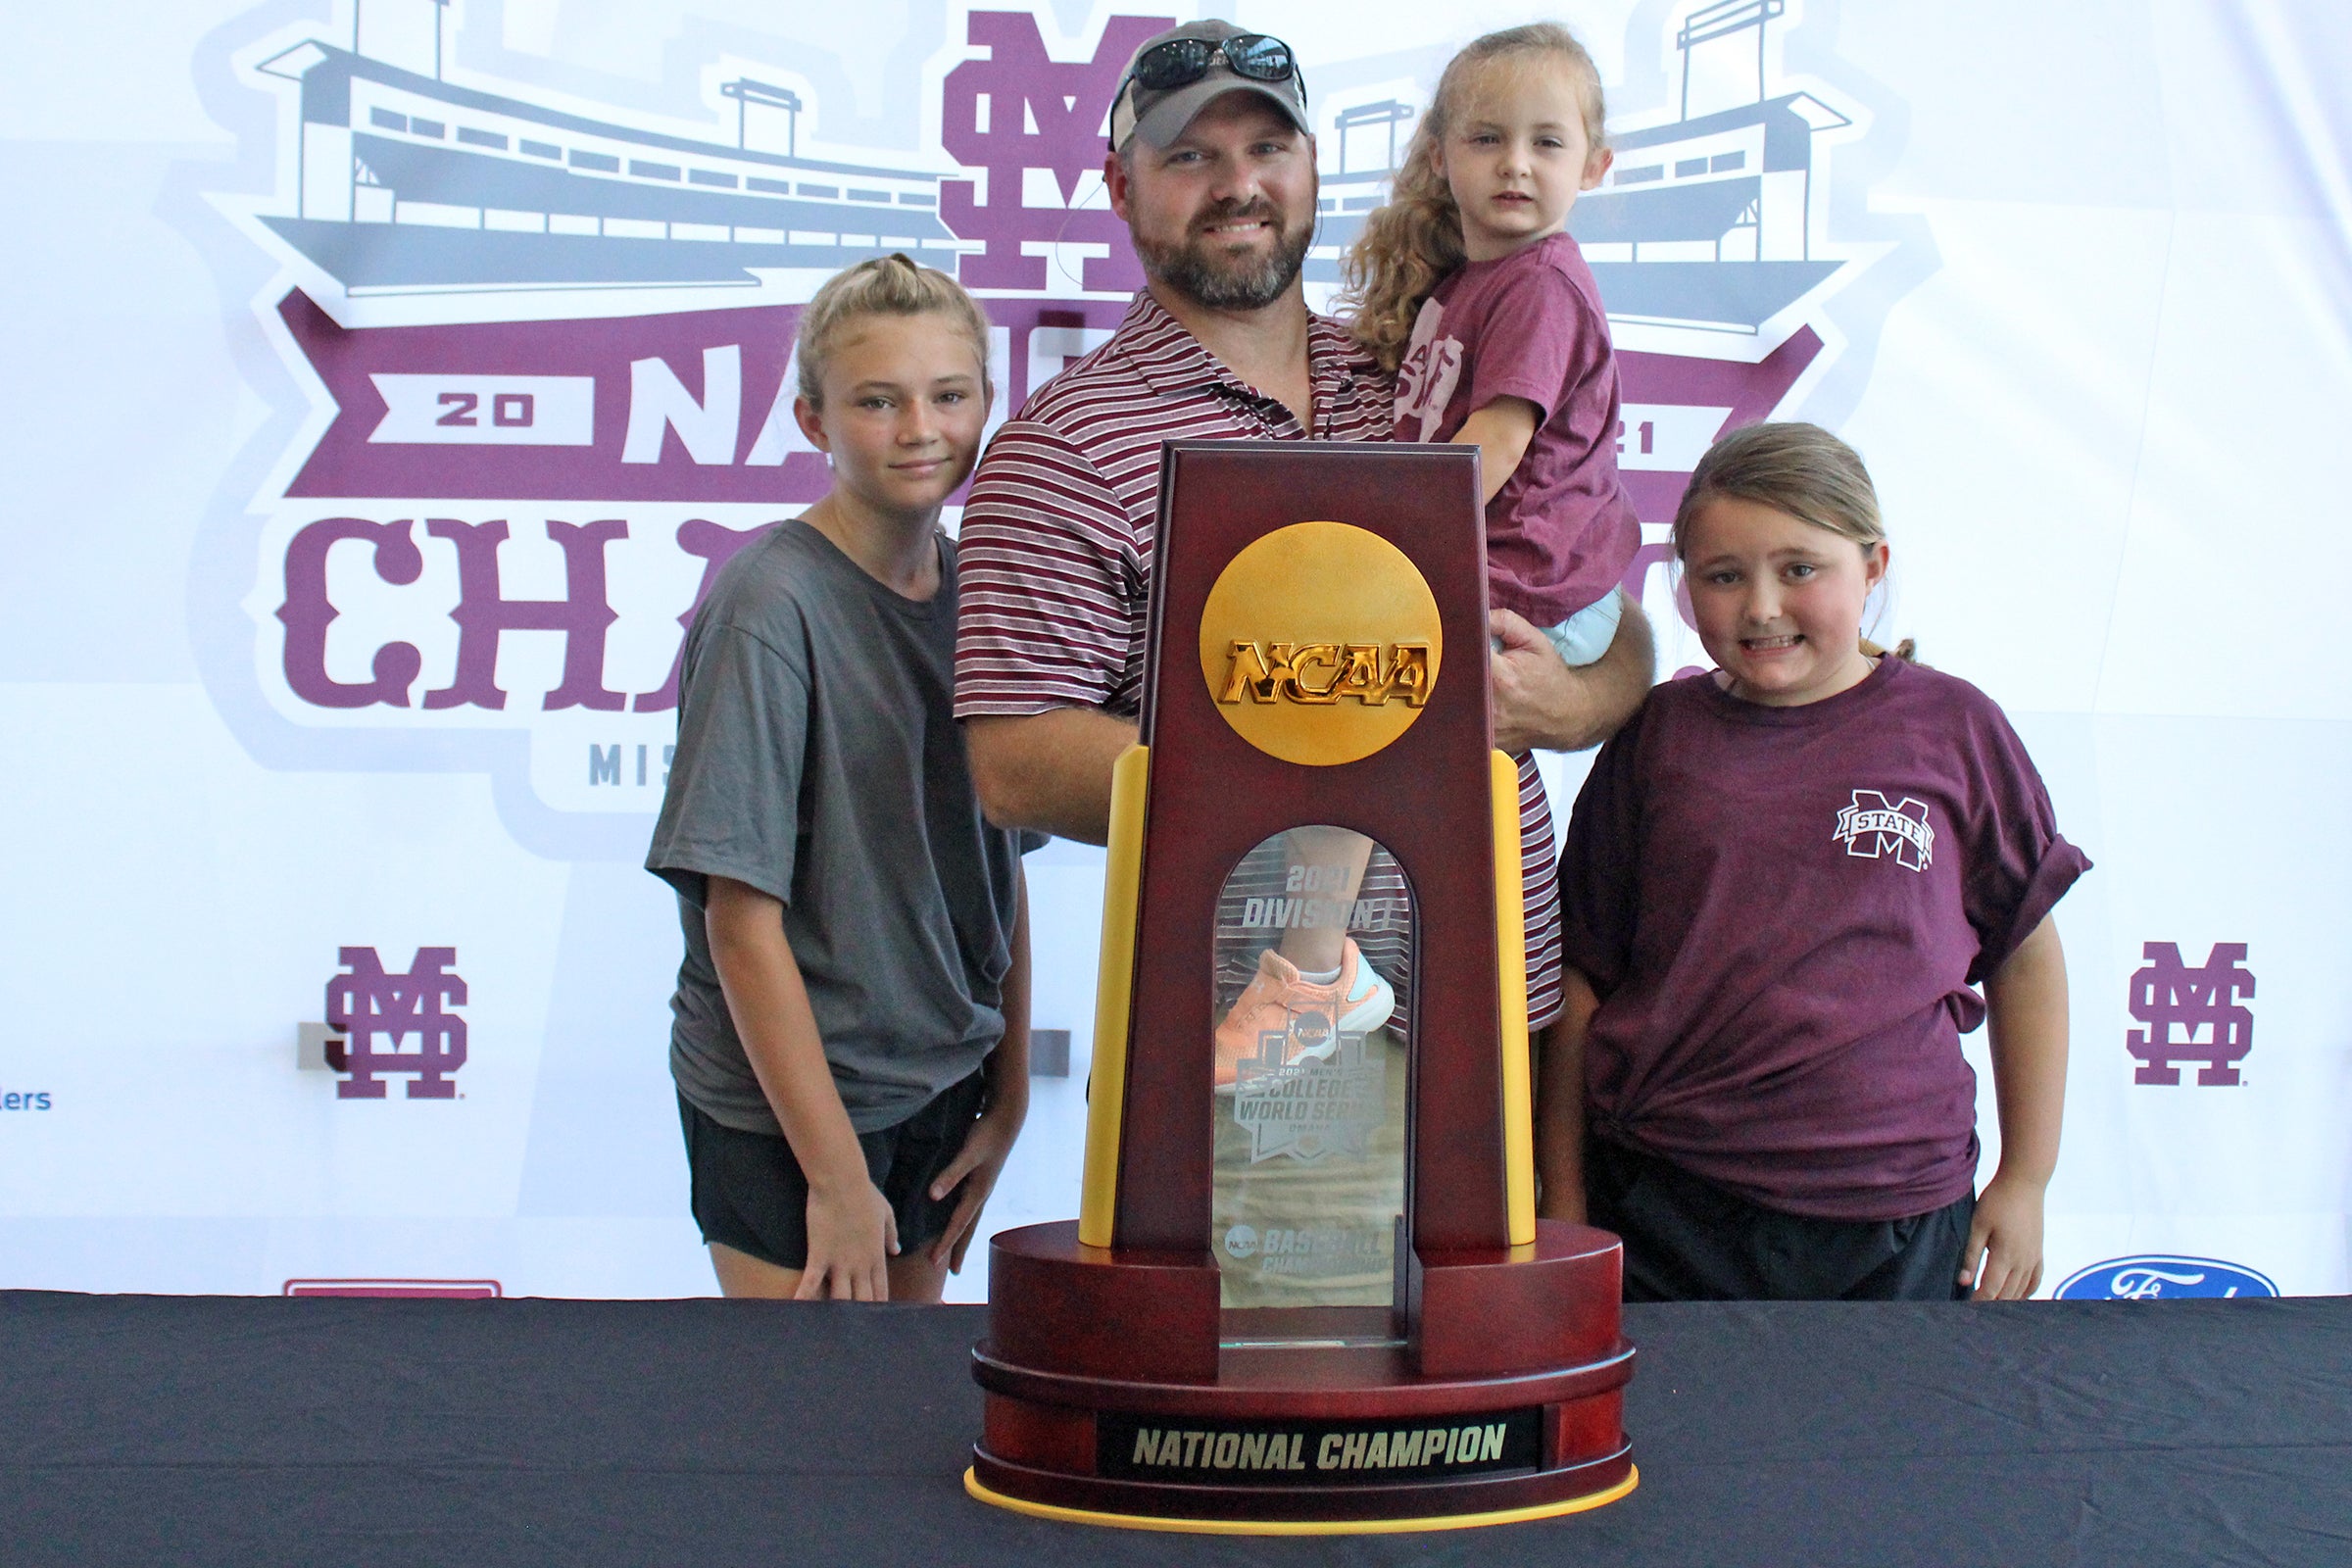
851,1034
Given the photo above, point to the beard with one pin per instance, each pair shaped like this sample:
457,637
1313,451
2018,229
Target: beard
1206,274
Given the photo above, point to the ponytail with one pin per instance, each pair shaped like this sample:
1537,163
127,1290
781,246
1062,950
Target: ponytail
886,285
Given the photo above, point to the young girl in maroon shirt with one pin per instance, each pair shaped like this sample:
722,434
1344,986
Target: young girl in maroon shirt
1782,884
1468,285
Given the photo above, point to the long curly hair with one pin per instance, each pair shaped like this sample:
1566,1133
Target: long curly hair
1411,245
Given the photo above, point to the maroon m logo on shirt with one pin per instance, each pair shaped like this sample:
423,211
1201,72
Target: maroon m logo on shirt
1871,828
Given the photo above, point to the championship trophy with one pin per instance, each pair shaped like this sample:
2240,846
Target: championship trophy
1308,1291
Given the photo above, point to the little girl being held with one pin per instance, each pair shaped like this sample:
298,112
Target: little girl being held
1468,285
1783,883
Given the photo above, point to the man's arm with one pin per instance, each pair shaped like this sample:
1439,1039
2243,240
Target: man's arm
1541,705
1049,771
1027,638
852,1230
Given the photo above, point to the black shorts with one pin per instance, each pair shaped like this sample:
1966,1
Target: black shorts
749,1194
1687,1240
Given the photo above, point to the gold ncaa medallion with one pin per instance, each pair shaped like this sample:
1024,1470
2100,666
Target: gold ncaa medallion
1320,643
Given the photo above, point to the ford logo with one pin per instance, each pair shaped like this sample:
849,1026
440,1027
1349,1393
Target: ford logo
2158,1276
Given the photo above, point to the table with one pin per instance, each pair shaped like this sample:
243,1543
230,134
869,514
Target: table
261,1430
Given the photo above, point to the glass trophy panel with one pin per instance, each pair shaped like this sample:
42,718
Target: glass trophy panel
1314,947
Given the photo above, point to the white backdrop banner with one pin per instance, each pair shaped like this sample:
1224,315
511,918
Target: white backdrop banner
390,377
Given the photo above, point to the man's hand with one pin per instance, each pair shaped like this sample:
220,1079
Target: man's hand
976,1167
851,1237
1541,705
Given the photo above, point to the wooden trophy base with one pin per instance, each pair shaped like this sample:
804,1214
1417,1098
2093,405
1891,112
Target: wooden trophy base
1119,1392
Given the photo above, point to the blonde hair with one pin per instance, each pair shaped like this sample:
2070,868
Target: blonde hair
1409,246
887,285
1796,468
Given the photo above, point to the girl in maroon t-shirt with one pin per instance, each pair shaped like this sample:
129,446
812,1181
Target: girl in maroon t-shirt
1468,285
1782,885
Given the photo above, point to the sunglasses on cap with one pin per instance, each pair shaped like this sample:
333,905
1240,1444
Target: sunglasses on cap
1181,62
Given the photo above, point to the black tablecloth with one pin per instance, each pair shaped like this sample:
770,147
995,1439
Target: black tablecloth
195,1429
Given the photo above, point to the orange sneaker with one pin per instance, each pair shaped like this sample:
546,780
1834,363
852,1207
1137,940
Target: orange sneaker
1281,1018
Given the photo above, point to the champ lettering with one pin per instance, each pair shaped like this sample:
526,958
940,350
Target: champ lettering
1392,1450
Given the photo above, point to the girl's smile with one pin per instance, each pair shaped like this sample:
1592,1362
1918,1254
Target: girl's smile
905,402
1778,600
906,398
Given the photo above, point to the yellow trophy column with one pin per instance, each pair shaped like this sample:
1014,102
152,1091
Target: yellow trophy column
1510,958
1106,1085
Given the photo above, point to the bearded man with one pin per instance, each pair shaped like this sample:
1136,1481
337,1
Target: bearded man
1212,169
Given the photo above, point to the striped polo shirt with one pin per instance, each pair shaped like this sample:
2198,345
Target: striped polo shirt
1055,550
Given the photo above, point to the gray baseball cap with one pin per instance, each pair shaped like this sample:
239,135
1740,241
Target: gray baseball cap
1160,113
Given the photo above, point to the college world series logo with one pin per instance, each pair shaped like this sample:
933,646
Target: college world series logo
1311,1092
531,349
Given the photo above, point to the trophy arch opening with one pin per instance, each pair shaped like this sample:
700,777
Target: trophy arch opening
1314,964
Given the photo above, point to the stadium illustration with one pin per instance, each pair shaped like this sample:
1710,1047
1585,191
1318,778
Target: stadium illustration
410,183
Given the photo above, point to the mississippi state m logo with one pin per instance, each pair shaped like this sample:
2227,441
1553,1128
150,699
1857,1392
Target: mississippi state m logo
1873,829
374,1010
2191,1013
